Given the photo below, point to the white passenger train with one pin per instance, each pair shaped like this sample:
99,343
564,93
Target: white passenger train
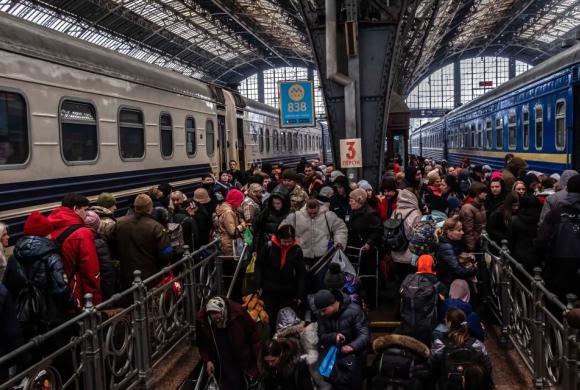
75,117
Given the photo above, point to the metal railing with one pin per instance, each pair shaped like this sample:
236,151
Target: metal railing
531,318
116,344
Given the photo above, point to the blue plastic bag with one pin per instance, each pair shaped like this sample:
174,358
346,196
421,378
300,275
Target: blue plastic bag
327,364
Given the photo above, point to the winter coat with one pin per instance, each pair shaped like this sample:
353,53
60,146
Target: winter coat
203,221
292,371
496,226
249,209
314,235
241,332
448,266
350,321
493,203
472,216
386,207
267,221
298,198
79,255
142,244
554,200
408,207
340,206
108,269
473,321
364,227
437,359
228,222
191,236
38,260
521,235
516,167
108,220
269,274
9,328
560,239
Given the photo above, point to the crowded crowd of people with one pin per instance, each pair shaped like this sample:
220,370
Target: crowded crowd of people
424,223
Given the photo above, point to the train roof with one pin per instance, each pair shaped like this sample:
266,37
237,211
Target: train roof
553,65
263,108
35,41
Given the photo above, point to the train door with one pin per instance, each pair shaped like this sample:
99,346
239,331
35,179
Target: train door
575,149
223,142
241,144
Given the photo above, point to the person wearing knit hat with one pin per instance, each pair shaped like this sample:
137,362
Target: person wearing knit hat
37,225
108,271
227,342
495,174
334,175
201,196
358,195
107,201
365,185
229,224
143,204
325,194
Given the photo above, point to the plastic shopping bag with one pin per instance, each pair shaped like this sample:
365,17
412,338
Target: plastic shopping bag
341,259
327,364
248,237
212,384
251,266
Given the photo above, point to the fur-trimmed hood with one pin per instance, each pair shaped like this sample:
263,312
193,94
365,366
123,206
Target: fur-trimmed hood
401,341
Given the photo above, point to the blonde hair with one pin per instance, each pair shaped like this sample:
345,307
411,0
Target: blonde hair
176,194
450,224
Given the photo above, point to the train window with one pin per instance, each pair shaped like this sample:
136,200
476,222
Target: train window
289,141
295,141
560,125
472,136
190,140
488,134
209,138
499,132
275,140
282,141
14,145
526,127
131,134
261,140
512,135
78,122
539,127
479,135
166,132
267,140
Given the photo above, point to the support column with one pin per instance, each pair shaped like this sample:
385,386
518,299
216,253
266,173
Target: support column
260,75
456,84
366,54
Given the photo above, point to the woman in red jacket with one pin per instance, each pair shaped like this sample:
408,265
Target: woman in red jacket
387,200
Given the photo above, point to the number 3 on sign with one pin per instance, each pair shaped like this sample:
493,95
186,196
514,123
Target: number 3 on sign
351,150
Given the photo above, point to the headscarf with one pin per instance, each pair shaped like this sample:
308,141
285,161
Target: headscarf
425,264
234,198
217,304
459,290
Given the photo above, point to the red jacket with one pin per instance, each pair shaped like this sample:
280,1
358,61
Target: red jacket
385,207
79,255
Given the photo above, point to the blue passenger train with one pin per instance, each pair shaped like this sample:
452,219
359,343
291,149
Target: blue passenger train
535,116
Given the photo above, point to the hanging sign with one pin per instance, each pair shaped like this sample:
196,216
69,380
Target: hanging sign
296,99
351,153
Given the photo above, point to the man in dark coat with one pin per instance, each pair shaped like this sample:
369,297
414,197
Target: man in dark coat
522,232
202,215
267,221
339,201
558,237
141,242
344,323
228,342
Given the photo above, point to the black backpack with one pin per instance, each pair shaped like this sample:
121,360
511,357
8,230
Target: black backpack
35,310
458,364
394,233
418,305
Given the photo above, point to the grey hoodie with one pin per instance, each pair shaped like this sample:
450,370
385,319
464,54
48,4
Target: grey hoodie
554,200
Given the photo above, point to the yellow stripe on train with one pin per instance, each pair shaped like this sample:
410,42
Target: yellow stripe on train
558,158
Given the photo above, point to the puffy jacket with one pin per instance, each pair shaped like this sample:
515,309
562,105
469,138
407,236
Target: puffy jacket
560,238
108,220
79,255
241,332
267,221
108,269
522,233
472,216
313,235
339,205
408,207
203,222
473,321
448,266
364,227
270,275
39,259
350,321
496,226
228,222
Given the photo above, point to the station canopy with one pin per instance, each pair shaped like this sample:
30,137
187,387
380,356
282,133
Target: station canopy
225,41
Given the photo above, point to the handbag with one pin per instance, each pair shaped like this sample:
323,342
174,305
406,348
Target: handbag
327,364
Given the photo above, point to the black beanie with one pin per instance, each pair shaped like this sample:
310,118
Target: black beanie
574,184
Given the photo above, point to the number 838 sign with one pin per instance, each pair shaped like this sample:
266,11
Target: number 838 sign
351,153
296,103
